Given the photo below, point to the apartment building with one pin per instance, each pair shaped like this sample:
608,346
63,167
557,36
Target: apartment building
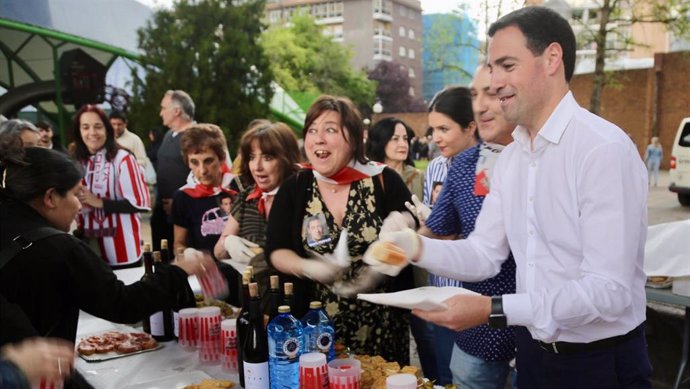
376,30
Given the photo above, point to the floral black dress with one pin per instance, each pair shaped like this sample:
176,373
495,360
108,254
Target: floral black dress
364,327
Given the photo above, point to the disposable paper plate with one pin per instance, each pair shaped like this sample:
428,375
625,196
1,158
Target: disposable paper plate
428,298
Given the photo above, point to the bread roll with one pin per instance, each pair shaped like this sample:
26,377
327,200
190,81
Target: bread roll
389,253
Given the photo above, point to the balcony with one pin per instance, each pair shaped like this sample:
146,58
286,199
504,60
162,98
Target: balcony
380,33
330,20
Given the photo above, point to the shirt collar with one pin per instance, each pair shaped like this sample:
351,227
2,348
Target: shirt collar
553,129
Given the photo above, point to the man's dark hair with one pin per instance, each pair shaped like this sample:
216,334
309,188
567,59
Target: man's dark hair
118,115
541,27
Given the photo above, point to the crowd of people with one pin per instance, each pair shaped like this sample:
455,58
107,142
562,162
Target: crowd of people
522,206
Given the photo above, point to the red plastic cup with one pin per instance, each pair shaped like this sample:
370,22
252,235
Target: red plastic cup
228,333
313,371
188,323
344,373
213,284
210,347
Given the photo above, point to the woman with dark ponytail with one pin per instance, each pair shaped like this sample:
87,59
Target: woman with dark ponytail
51,275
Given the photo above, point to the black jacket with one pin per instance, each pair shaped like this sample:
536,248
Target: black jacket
59,275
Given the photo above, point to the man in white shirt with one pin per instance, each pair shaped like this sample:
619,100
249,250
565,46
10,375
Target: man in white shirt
128,139
569,198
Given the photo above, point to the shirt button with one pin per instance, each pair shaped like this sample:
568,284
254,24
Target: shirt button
531,198
531,232
533,164
530,264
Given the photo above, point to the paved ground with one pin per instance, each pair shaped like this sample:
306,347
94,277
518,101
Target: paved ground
664,322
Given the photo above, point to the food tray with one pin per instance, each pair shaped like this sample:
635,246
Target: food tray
664,283
113,355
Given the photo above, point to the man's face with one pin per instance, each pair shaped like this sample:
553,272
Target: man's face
226,204
46,136
119,126
315,229
517,77
492,125
168,111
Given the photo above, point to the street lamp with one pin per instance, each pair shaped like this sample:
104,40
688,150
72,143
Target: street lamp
377,107
366,122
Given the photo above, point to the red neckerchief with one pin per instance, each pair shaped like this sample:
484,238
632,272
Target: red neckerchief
198,190
353,171
258,193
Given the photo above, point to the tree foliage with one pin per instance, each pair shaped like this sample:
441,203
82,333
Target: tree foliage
208,49
304,60
394,88
445,45
615,18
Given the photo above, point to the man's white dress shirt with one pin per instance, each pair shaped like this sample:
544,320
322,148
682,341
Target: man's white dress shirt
573,209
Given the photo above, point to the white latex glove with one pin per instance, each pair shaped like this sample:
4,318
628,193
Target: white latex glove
239,249
365,281
418,208
321,268
341,254
396,221
406,239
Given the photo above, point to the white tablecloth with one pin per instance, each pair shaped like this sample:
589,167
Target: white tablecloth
167,368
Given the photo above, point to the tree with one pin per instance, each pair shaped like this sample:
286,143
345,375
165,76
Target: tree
616,17
394,88
451,42
305,60
209,49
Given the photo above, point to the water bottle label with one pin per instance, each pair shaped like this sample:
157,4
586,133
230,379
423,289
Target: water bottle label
324,342
291,347
256,375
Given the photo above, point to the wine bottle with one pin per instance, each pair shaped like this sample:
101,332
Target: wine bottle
274,298
289,297
243,322
148,273
166,257
162,327
255,348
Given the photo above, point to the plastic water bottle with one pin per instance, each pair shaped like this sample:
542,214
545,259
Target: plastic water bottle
319,333
285,345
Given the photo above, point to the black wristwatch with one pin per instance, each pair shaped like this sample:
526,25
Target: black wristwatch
497,319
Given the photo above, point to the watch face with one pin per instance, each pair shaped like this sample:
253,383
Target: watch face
498,321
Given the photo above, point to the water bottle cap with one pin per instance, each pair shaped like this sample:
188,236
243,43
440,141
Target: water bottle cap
315,305
284,309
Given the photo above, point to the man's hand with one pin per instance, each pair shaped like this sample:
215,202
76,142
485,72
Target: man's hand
464,311
418,208
240,249
406,240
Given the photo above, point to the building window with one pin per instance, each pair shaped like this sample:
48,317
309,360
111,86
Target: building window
410,73
401,31
410,33
411,92
274,16
401,51
410,53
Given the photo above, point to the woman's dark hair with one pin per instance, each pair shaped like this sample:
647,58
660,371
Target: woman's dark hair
379,136
456,103
81,152
31,175
351,121
276,139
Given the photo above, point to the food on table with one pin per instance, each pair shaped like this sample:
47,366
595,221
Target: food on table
658,279
212,384
115,341
389,253
256,250
375,370
226,310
